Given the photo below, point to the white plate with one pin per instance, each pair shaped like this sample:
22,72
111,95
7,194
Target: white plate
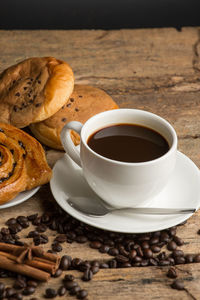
183,190
23,196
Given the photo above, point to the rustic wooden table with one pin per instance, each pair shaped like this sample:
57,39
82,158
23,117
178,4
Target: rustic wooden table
153,69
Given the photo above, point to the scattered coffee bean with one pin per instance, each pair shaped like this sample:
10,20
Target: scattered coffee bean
197,258
61,238
58,273
82,294
19,284
171,246
64,263
56,247
87,276
50,293
189,258
62,291
32,283
69,277
95,244
29,290
178,240
75,290
70,284
172,273
178,284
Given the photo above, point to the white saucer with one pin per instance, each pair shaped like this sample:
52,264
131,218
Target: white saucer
23,196
183,190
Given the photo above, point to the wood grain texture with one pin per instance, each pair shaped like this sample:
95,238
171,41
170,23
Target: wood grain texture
153,69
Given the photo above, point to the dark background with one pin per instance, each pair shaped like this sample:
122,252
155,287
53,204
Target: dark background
101,14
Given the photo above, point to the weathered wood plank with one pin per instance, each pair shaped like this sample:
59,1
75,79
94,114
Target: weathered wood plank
157,70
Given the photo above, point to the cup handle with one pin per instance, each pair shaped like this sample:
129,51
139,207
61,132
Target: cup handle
67,142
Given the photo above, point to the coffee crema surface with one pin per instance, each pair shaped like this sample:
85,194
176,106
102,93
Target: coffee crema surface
128,143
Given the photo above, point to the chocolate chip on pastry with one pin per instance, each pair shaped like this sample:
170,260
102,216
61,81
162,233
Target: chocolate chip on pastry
23,163
34,90
84,102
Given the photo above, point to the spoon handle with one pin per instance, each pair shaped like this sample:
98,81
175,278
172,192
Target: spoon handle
158,211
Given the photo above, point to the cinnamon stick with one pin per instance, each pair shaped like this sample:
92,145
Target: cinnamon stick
8,264
28,260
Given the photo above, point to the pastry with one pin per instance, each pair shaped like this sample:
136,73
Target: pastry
23,163
84,102
34,90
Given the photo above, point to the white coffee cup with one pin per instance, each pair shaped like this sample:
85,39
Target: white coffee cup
122,184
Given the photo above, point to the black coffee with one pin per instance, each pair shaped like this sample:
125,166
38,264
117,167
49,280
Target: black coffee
128,143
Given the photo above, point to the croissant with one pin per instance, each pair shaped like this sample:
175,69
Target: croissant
23,163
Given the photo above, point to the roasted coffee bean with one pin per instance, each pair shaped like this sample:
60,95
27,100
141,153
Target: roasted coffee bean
9,292
95,263
139,251
113,251
197,258
178,240
5,231
162,256
112,264
123,251
153,262
84,266
171,260
56,247
29,290
19,284
11,221
87,276
70,284
36,221
32,217
145,245
178,284
129,245
82,294
23,221
171,246
132,254
61,238
137,259
76,262
164,263
172,231
95,244
62,291
177,253
74,290
81,239
155,249
50,293
41,228
104,249
126,265
45,218
172,273
58,273
64,263
33,234
17,296
69,277
95,269
32,283
121,259
164,237
144,263
179,260
2,288
147,253
104,266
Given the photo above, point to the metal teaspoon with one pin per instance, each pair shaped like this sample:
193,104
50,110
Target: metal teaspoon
96,208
